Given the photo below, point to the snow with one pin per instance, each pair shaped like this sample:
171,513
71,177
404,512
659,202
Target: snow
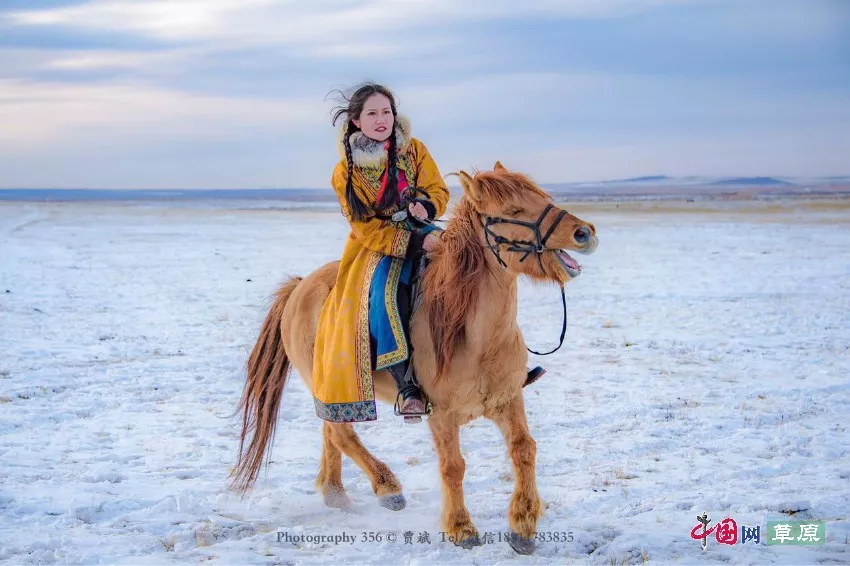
705,369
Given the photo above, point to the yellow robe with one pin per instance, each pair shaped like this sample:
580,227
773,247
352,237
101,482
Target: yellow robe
343,390
342,372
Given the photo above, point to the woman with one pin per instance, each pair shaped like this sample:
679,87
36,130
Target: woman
389,189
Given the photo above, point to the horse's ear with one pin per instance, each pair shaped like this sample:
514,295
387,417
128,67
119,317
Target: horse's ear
499,168
470,187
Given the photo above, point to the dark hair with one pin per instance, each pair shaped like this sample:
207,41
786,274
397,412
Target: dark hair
351,107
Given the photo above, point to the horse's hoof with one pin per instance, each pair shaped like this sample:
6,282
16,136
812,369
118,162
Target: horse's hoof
470,543
520,544
393,502
336,498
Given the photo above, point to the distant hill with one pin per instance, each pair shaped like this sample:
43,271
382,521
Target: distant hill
752,182
665,186
836,179
696,183
649,179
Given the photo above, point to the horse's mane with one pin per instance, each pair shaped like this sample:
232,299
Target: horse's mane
453,277
452,281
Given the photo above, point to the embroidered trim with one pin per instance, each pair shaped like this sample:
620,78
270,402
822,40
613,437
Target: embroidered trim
400,242
404,163
363,347
391,302
354,412
369,179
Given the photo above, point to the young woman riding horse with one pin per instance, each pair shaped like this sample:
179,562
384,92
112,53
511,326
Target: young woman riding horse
470,353
390,190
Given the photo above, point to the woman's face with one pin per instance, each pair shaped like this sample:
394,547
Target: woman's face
376,120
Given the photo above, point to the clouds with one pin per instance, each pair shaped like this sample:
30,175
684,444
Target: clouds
39,113
325,28
238,87
293,20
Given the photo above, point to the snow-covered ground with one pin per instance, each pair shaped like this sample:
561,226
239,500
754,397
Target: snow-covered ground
706,368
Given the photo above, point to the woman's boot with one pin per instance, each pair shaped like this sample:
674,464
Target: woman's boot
533,375
412,405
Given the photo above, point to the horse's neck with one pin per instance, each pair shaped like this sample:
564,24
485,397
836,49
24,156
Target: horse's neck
495,319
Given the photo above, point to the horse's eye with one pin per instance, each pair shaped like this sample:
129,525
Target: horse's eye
515,211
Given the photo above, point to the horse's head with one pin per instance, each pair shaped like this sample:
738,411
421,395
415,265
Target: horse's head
521,225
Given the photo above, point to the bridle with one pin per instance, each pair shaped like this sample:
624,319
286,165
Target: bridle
538,246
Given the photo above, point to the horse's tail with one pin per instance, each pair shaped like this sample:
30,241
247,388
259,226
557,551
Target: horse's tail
268,368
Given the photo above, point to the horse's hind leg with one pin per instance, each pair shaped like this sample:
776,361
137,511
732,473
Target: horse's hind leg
329,481
384,483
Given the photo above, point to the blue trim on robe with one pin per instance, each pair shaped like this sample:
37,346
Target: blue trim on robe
384,321
385,325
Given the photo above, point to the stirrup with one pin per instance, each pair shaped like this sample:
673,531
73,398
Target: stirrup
534,375
411,417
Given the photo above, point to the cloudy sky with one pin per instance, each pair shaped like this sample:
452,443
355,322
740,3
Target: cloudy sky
231,93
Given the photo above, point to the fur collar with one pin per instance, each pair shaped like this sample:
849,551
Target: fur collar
369,154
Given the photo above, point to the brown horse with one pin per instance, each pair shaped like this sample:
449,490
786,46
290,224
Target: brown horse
470,355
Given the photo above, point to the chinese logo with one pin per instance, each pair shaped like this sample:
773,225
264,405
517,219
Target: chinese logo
778,532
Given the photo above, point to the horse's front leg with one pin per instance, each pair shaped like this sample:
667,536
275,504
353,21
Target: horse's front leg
526,506
457,523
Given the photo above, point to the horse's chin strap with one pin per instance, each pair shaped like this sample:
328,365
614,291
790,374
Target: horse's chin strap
538,246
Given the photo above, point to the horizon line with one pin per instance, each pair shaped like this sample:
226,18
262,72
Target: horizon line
639,178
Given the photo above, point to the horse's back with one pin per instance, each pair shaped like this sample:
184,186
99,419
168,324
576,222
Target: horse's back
300,319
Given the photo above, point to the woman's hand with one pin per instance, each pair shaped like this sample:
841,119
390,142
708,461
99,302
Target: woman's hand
430,242
417,210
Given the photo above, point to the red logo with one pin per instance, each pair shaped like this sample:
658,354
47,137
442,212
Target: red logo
726,531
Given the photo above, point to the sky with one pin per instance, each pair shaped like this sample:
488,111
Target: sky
234,94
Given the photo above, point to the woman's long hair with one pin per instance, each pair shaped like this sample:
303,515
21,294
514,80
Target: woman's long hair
351,110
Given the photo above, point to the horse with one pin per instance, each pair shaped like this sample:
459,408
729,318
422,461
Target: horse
470,355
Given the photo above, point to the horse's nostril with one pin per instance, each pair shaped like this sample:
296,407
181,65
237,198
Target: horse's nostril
581,235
